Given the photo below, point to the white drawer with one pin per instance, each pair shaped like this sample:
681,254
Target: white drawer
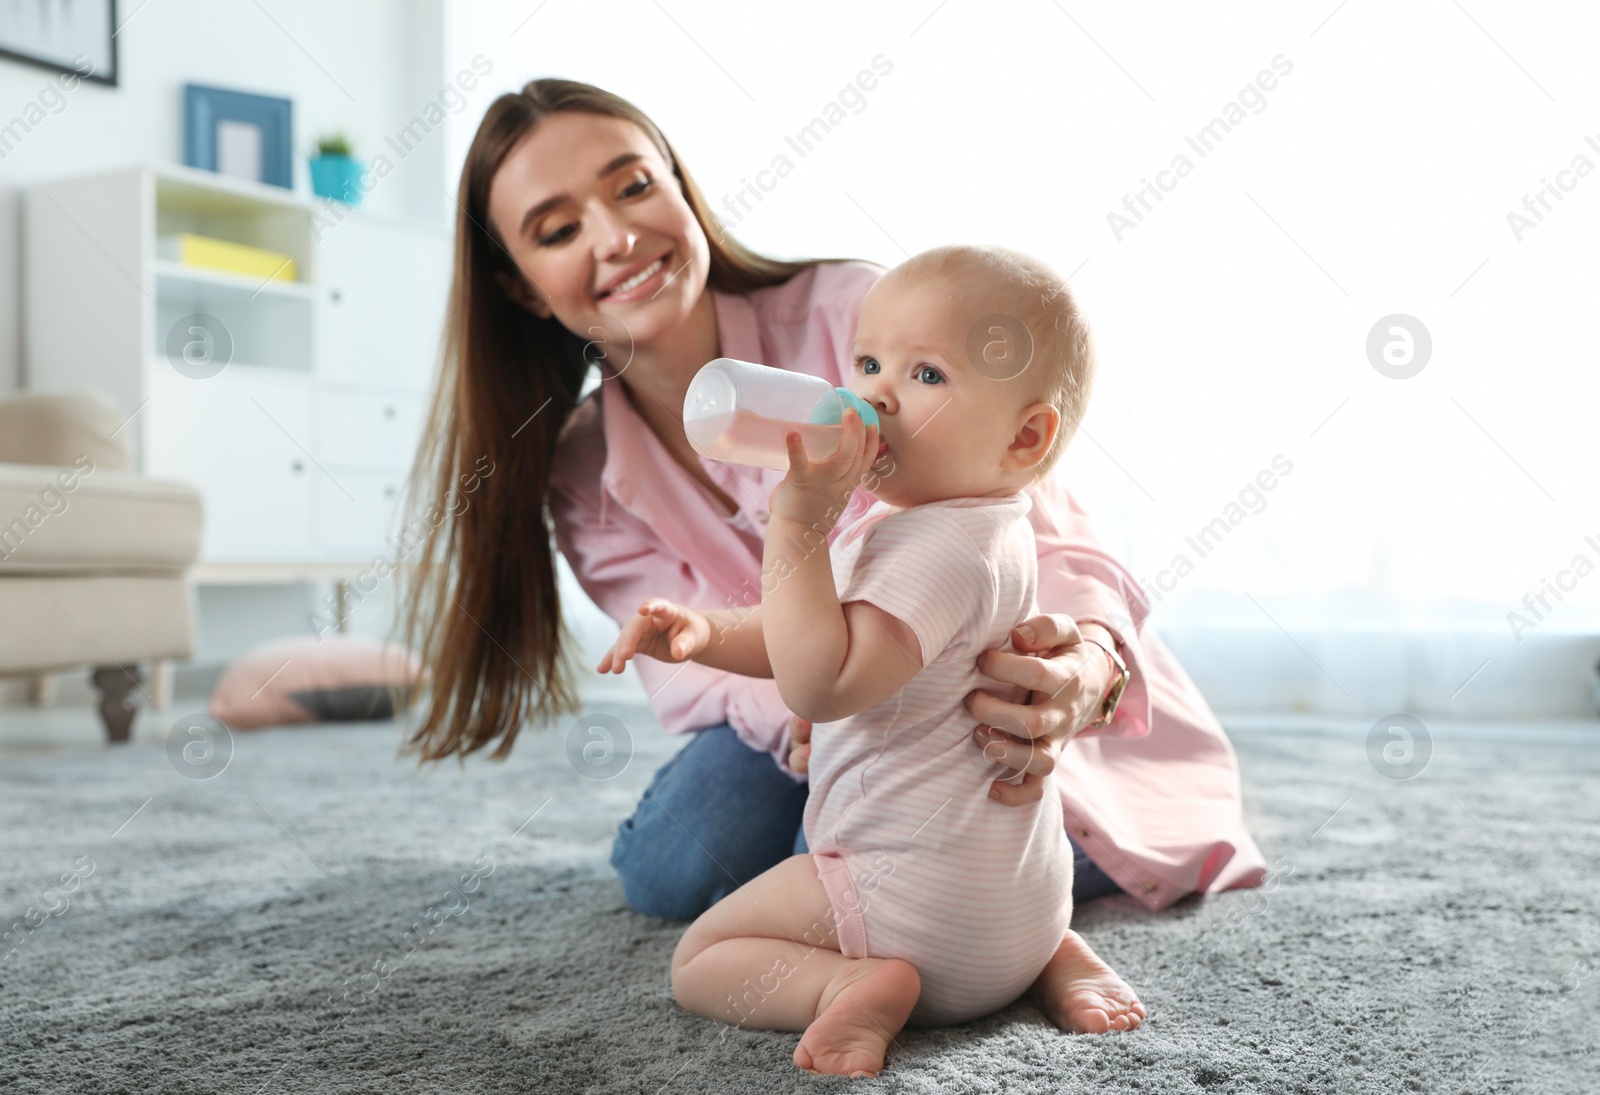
238,438
356,510
381,302
367,430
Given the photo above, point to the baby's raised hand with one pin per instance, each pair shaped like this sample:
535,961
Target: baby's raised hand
816,494
661,630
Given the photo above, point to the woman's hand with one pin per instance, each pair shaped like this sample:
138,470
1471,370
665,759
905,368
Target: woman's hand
1068,680
816,494
661,630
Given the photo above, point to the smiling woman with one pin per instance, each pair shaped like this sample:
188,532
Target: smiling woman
582,242
524,283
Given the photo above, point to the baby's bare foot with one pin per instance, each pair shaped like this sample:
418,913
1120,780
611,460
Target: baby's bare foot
1079,992
871,1002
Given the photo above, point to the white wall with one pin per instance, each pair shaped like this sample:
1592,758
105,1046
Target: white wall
367,67
1232,320
364,66
1373,177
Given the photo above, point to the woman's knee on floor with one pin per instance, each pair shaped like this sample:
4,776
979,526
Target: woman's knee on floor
671,887
683,850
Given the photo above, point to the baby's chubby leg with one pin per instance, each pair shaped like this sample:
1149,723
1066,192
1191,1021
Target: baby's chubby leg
766,957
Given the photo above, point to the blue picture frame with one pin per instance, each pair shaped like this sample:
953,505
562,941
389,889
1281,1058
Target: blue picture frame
204,107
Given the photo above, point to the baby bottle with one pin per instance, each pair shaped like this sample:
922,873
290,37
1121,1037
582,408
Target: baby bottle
741,412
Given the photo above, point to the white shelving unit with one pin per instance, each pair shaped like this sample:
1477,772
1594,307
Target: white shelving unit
301,442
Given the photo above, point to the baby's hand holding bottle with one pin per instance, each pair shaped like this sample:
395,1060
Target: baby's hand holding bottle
815,493
741,412
662,630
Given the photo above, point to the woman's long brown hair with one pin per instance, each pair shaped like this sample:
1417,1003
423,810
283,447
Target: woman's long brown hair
481,606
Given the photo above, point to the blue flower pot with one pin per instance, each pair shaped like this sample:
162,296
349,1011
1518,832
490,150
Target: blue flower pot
337,178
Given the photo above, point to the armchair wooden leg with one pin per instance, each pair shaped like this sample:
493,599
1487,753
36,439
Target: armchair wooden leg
118,699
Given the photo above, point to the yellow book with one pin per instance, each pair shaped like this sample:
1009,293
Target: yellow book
236,258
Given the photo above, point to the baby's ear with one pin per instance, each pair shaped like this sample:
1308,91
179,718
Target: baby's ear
1036,428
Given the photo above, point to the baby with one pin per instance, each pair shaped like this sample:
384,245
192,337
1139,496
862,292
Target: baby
920,899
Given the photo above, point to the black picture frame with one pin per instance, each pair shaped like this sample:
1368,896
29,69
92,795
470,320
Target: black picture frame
17,44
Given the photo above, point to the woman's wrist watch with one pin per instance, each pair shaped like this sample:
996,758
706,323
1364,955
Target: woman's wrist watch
1119,682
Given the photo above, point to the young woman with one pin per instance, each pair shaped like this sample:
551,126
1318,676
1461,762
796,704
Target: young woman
581,242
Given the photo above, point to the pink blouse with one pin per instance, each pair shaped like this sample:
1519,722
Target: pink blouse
1154,798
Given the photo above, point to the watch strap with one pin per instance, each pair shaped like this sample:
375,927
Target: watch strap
1119,682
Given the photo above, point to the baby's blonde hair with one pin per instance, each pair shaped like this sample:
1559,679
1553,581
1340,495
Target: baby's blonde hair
1061,366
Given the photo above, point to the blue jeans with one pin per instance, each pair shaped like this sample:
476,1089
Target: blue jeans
718,814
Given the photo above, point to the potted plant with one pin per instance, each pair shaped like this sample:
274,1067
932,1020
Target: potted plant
335,174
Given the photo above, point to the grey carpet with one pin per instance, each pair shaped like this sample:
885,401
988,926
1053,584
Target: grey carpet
1436,935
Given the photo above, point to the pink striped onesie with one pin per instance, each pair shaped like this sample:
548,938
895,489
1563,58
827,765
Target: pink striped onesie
918,862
